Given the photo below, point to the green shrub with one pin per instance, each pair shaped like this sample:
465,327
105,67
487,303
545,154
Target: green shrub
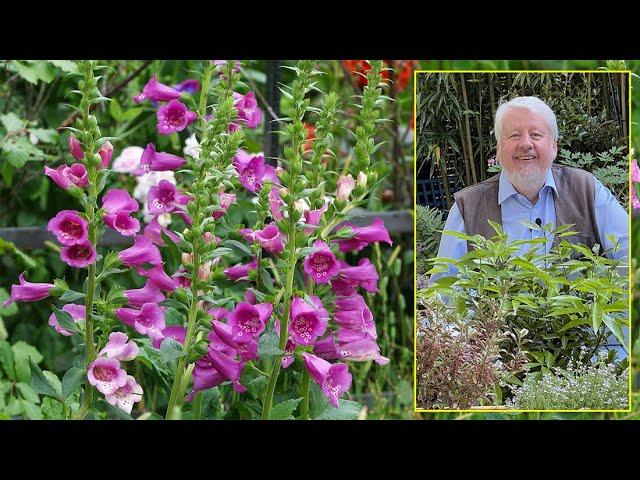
428,222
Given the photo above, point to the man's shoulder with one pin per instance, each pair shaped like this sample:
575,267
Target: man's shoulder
571,172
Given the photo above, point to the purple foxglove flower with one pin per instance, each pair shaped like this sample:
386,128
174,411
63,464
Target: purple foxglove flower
69,227
118,200
159,277
205,376
75,147
164,198
321,265
157,92
270,175
174,117
78,314
345,186
250,297
270,238
287,358
276,203
149,320
105,152
326,348
143,251
122,223
250,168
248,351
190,85
177,332
334,379
363,275
152,161
106,375
359,350
153,229
120,347
225,200
150,293
182,277
80,255
125,396
363,236
312,217
249,321
307,322
353,313
66,176
221,63
218,313
230,368
28,292
226,345
129,160
248,110
241,271
247,234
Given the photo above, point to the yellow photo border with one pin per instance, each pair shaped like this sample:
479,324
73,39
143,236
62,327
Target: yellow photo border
415,247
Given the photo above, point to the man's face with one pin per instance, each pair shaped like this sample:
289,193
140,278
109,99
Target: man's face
527,149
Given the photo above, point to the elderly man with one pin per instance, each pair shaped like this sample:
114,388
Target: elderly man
531,188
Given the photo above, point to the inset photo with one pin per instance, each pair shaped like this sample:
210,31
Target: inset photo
522,236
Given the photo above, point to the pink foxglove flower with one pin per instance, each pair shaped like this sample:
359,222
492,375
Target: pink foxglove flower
118,200
354,314
165,198
326,348
345,187
129,160
106,375
75,147
68,176
270,238
230,368
153,161
276,203
143,251
153,229
149,320
190,85
174,117
182,277
287,358
157,92
312,217
241,271
150,293
248,111
105,152
248,321
334,379
321,265
159,277
363,236
120,347
363,275
635,178
247,234
124,397
218,313
205,376
351,346
78,314
122,223
307,322
28,291
69,227
225,200
251,169
80,255
177,332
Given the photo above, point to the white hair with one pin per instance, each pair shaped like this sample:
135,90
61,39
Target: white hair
534,105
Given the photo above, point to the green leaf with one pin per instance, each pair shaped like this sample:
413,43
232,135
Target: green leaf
26,72
51,409
348,410
73,378
596,316
615,327
22,352
45,135
71,296
170,349
257,387
39,382
11,122
44,71
237,246
28,393
31,411
284,410
20,150
6,359
11,309
65,320
268,345
65,65
115,110
3,330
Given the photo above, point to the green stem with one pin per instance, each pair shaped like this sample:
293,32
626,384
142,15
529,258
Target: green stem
304,389
197,406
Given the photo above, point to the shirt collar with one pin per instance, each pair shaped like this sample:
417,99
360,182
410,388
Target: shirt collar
506,189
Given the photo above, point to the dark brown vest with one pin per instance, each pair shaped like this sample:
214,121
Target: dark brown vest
574,204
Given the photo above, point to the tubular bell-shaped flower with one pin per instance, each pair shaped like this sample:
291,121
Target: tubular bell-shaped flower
321,265
174,117
307,322
248,321
270,238
120,347
106,375
78,314
149,320
157,92
363,236
125,396
150,293
143,251
66,176
28,291
363,275
118,200
153,161
241,271
122,223
248,111
75,147
69,227
79,255
165,198
334,379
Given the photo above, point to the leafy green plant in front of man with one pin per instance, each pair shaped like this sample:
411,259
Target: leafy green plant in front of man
567,299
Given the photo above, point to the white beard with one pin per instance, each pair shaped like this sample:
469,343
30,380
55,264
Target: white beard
527,181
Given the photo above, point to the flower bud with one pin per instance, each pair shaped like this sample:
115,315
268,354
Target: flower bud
345,187
75,147
187,258
362,180
105,152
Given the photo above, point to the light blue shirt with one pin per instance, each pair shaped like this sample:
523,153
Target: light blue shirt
611,219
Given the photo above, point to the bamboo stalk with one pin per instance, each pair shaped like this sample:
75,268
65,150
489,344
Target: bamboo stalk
442,164
467,125
483,167
589,94
623,106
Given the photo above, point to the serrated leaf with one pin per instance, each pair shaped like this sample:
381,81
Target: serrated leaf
71,296
348,410
73,378
268,345
257,387
31,411
11,122
284,410
39,382
170,349
238,246
28,393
